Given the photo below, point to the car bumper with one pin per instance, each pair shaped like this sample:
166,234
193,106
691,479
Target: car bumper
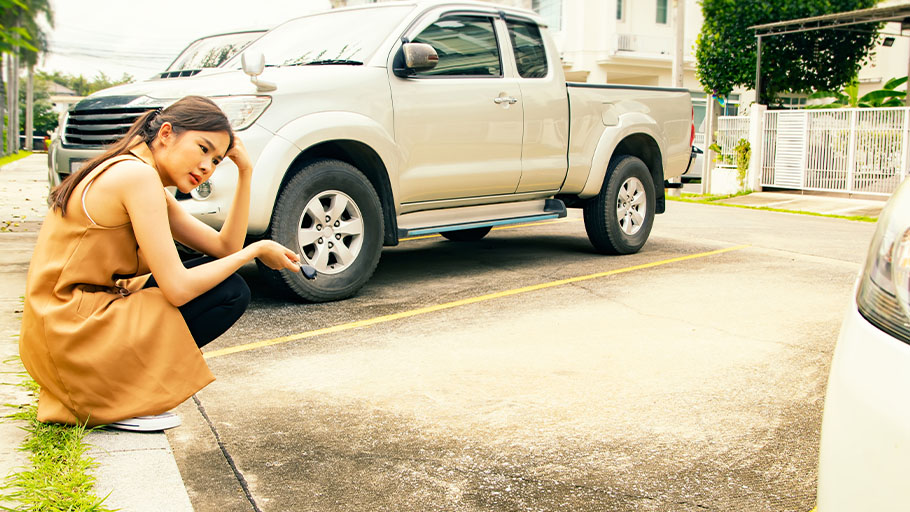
864,458
63,161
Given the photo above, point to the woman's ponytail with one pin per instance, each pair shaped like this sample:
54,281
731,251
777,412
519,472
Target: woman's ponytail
189,113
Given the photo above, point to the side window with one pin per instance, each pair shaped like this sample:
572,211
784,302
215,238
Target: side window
530,54
466,46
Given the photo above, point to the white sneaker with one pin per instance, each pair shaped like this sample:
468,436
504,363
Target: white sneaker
148,423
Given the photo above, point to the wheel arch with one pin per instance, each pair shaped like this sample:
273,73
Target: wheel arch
641,144
367,161
646,148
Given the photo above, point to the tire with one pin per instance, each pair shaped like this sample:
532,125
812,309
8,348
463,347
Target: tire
466,235
619,219
345,259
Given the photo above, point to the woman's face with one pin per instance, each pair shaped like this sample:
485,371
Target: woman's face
188,158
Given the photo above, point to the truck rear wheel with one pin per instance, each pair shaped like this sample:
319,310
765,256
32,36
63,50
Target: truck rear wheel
330,215
619,219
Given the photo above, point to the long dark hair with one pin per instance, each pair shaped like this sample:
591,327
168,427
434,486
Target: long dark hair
190,113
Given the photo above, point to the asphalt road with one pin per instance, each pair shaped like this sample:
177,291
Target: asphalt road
650,382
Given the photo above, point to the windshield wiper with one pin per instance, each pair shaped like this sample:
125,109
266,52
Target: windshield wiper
332,61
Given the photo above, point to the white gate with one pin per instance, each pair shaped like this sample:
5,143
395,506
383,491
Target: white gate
836,150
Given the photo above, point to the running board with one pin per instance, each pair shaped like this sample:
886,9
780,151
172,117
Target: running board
454,219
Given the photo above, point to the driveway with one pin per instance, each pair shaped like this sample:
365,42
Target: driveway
525,372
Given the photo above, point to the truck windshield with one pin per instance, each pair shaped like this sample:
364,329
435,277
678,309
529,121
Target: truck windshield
212,51
333,37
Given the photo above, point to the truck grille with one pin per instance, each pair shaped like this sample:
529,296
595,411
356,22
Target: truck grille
99,127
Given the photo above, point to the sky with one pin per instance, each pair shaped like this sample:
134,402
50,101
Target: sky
141,38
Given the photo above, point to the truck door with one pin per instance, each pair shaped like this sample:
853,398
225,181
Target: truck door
459,126
546,109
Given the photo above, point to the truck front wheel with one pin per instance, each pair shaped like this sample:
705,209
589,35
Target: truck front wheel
330,215
619,219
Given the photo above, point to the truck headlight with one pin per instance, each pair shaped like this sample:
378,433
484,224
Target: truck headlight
883,296
203,191
242,111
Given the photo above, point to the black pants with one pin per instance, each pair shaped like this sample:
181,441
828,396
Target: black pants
215,311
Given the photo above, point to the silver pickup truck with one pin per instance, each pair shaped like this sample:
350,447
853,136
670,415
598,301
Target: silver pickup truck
371,124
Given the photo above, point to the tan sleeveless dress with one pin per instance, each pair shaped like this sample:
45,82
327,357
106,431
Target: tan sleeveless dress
102,348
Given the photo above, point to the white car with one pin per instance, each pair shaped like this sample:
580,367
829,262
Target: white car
865,440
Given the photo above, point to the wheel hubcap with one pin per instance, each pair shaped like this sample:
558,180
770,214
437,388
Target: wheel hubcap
330,232
631,206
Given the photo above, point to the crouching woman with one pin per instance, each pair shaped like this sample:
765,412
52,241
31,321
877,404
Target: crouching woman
113,319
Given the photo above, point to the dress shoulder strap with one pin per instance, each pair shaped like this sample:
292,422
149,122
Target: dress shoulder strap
103,166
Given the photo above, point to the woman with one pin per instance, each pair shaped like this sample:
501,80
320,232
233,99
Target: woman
108,343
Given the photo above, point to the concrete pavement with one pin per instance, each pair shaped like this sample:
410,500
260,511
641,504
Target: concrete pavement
138,470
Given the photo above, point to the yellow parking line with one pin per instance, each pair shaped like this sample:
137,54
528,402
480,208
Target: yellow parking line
512,226
463,302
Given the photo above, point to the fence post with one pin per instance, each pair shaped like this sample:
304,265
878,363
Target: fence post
708,163
905,142
756,139
851,152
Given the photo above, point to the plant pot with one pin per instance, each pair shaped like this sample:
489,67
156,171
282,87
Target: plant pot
724,181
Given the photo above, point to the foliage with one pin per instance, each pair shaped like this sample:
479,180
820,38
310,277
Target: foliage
44,118
59,477
887,96
799,62
19,29
83,86
743,152
9,159
718,200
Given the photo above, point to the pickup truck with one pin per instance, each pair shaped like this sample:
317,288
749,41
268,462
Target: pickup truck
370,124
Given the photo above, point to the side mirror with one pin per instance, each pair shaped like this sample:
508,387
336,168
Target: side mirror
415,57
253,64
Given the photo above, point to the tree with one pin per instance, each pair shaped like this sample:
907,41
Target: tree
83,86
45,119
798,62
887,96
20,34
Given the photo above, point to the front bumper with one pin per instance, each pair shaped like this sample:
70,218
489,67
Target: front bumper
864,458
63,161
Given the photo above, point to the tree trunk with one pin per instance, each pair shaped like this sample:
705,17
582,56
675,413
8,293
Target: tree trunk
2,107
29,108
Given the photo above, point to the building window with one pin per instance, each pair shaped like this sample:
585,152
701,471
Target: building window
619,10
550,11
662,11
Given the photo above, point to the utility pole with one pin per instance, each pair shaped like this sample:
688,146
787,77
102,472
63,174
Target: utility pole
679,46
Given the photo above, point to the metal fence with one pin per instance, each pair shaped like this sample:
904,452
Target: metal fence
840,150
730,130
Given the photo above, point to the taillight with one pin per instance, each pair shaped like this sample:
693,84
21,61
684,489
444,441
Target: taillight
692,133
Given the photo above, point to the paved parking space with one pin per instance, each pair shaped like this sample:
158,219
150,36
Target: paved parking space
660,384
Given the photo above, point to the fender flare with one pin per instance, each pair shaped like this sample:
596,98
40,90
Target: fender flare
612,138
282,154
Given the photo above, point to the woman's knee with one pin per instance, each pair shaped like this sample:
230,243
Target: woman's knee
238,292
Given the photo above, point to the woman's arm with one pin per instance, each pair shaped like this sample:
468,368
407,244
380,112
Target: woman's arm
149,216
193,233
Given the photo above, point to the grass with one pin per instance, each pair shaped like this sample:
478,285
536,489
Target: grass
12,158
59,478
713,199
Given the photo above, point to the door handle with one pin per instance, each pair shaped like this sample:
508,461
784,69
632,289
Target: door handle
505,99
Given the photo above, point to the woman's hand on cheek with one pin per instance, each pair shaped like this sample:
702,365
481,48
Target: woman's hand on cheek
240,157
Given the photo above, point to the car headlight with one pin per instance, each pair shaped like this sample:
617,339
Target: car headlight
883,296
242,111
